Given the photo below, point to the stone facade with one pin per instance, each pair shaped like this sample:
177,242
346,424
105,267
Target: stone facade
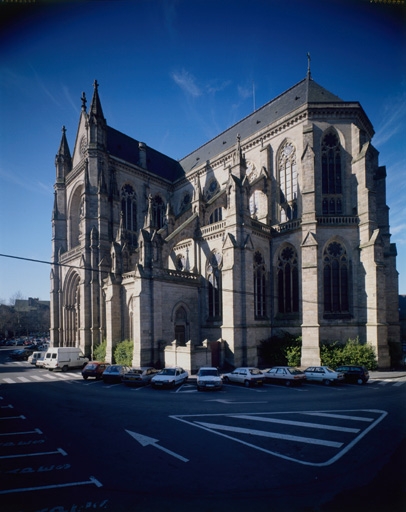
280,223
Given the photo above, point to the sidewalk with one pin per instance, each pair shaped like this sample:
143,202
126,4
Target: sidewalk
387,374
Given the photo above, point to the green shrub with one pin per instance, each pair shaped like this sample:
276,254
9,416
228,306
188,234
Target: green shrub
123,353
294,355
99,352
352,352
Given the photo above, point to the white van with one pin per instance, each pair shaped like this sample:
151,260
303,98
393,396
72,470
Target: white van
64,358
33,358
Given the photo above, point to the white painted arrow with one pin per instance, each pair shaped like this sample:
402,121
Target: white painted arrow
145,441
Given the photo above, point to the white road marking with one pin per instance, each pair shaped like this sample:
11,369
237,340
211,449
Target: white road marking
22,455
272,435
23,379
35,431
298,423
146,441
92,480
339,416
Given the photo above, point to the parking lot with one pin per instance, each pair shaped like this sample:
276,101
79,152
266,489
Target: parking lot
72,443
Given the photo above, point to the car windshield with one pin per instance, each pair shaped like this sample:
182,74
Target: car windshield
329,369
207,373
113,369
135,371
168,371
91,367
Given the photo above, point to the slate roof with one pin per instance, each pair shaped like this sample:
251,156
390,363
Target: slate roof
124,147
306,91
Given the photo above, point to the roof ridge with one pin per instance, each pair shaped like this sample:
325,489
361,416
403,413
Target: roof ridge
246,117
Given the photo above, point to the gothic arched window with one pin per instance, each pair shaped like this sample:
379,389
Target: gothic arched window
129,211
336,279
158,212
287,171
288,281
216,216
331,174
213,274
259,286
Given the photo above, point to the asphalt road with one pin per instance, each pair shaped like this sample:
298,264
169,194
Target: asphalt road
68,445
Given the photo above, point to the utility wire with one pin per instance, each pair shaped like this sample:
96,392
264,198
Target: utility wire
274,297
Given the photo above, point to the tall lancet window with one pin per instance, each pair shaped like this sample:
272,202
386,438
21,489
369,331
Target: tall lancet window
331,174
287,182
259,286
288,281
129,211
336,279
158,212
213,275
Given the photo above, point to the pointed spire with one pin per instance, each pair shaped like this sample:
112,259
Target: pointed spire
63,160
95,107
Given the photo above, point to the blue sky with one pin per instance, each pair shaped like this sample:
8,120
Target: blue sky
174,74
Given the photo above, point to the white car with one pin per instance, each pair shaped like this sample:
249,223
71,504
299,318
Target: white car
208,378
249,376
169,377
35,356
323,374
288,375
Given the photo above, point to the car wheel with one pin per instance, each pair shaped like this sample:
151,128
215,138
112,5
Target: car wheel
327,382
247,383
287,383
360,381
85,377
65,368
226,380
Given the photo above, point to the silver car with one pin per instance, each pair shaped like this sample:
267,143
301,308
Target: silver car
248,376
323,374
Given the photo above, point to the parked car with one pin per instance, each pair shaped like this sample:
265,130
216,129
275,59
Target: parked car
40,363
249,376
21,355
288,375
354,374
323,374
208,378
169,377
139,376
35,356
94,369
114,372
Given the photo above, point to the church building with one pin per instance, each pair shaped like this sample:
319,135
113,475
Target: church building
278,224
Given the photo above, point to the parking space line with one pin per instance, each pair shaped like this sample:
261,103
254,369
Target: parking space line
21,417
22,455
35,431
92,480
